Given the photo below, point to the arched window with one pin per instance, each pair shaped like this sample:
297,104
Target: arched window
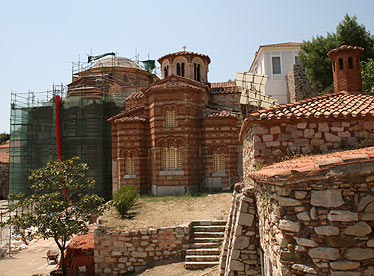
171,157
170,117
182,69
166,71
129,164
178,69
218,161
341,66
196,71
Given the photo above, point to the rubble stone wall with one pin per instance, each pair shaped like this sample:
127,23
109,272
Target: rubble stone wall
118,252
319,225
271,142
298,87
239,254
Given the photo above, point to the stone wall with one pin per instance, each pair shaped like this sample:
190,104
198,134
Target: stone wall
239,255
298,87
118,251
319,223
271,142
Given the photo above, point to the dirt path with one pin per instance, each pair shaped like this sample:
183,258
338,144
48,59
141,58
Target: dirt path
30,262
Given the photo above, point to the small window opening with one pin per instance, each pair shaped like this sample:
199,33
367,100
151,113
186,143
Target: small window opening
333,66
350,62
178,69
198,72
341,66
166,70
182,69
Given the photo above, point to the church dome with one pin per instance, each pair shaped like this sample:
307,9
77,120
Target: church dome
115,61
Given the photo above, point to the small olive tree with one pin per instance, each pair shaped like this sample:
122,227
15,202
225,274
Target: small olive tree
60,204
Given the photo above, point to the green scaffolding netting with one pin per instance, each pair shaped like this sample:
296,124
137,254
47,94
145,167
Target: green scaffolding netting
85,132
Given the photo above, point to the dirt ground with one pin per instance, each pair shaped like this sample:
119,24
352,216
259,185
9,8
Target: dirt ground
167,211
177,269
30,262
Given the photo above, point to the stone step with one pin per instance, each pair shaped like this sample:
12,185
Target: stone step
209,228
204,245
207,234
202,258
199,265
208,222
203,251
207,240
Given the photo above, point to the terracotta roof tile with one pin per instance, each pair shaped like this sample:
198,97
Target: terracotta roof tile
311,165
126,112
227,87
135,96
4,157
184,53
130,119
341,104
344,47
222,114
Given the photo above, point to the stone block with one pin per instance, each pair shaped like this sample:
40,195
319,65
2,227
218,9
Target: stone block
369,125
327,230
267,138
286,201
332,138
236,265
289,225
304,268
364,201
136,254
303,216
301,125
300,194
259,130
326,253
327,198
345,273
339,215
340,241
246,219
275,130
323,127
240,242
308,133
306,242
344,265
359,229
359,254
370,243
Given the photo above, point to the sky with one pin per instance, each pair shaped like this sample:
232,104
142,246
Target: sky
40,39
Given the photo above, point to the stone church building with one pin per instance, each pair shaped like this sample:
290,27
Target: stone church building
180,134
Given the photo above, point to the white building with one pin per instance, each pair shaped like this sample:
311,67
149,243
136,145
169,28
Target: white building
275,61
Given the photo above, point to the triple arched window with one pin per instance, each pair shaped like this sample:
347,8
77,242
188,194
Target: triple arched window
171,156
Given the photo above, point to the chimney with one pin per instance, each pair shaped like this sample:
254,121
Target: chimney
346,68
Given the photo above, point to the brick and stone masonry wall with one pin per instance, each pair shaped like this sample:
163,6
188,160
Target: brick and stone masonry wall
298,87
118,252
320,224
271,142
239,254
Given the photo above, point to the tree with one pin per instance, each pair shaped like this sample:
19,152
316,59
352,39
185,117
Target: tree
4,137
313,54
367,70
60,205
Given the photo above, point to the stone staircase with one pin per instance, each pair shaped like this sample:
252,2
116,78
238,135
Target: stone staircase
205,242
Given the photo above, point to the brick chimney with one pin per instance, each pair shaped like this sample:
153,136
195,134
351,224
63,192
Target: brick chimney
346,68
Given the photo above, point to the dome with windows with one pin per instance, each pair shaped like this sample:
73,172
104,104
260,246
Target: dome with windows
115,61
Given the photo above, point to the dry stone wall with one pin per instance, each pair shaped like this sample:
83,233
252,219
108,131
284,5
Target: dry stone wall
118,252
271,142
298,87
320,225
239,255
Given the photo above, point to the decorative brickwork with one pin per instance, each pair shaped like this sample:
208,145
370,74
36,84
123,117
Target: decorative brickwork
172,129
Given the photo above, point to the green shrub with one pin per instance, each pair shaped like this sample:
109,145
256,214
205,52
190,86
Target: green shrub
124,199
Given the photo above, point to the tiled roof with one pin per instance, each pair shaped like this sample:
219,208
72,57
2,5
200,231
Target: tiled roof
344,47
227,87
174,81
135,96
4,157
284,44
126,113
130,119
221,114
183,53
312,165
335,105
5,145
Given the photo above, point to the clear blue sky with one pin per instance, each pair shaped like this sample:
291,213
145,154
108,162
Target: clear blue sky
39,39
